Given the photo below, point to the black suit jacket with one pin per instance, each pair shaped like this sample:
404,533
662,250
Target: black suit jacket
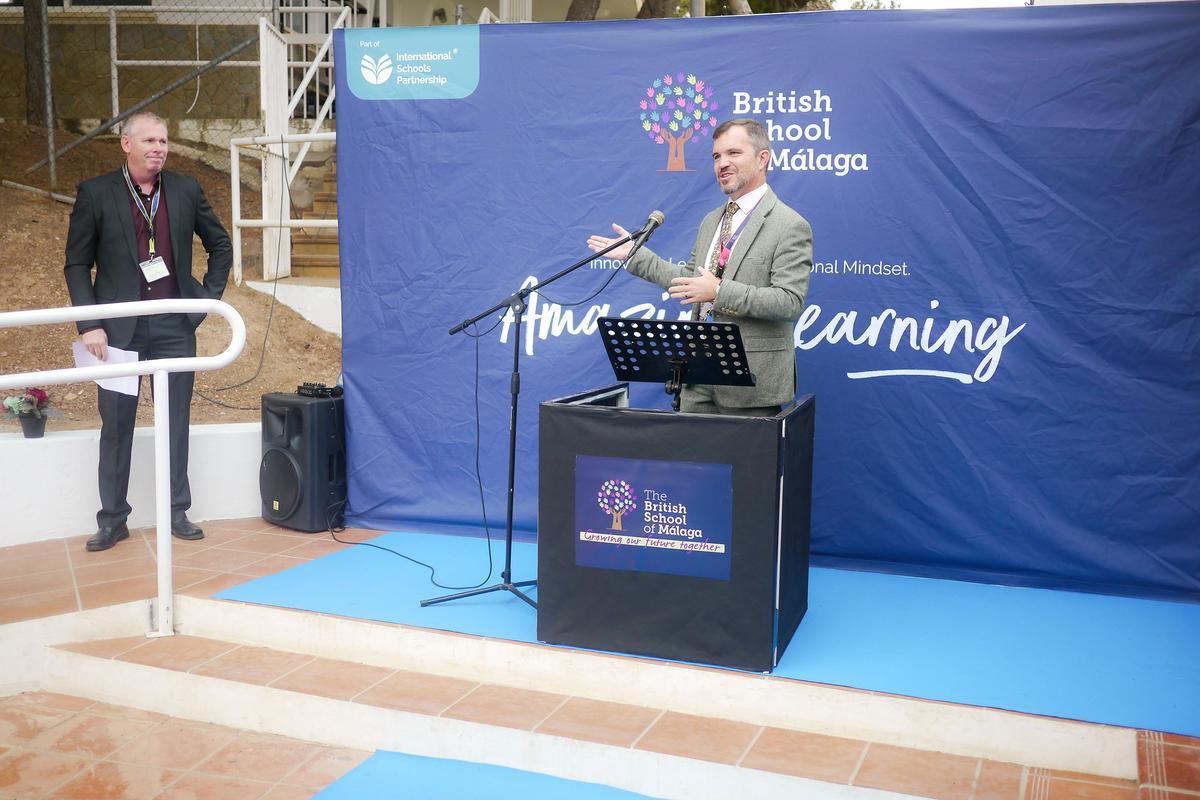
101,234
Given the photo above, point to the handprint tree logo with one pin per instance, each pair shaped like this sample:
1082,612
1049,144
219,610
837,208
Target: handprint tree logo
376,71
616,498
675,110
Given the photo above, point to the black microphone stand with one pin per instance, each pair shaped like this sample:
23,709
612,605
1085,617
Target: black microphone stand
516,304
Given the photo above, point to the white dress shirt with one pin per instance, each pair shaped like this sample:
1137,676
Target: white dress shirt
746,205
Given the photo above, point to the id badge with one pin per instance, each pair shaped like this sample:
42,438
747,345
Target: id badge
154,269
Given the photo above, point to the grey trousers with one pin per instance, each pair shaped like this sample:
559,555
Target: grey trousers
698,399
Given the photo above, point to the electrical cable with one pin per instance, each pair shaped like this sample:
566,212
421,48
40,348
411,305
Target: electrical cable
594,294
334,530
331,515
197,97
287,190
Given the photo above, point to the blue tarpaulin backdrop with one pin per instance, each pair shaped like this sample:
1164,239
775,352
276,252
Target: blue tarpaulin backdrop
1002,329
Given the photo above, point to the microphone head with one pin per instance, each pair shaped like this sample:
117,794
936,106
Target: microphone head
657,218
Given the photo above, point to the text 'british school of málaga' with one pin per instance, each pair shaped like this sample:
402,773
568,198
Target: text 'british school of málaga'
794,155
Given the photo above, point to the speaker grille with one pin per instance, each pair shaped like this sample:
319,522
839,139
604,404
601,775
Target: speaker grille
280,484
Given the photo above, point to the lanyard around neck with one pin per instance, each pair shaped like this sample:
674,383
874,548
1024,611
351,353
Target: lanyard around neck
137,201
727,245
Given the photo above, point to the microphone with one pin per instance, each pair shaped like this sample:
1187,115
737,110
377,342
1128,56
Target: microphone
641,237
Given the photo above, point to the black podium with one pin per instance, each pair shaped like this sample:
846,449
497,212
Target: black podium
675,535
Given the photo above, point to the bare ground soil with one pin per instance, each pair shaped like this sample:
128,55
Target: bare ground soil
33,232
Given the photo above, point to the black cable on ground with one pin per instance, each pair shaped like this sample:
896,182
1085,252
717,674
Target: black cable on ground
262,355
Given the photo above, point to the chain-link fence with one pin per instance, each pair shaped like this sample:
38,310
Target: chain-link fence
194,62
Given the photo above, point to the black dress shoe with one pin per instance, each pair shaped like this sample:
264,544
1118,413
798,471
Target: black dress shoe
182,528
107,537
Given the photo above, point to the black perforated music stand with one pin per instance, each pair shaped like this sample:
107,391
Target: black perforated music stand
675,353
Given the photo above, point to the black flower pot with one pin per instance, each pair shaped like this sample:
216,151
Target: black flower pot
33,427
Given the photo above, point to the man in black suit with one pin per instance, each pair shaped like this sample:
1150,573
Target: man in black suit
135,226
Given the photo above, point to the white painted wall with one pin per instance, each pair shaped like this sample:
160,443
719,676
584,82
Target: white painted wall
48,489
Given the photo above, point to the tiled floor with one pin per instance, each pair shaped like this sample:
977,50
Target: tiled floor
55,746
1169,761
57,576
68,748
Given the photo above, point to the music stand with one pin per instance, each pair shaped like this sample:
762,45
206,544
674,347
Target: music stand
676,352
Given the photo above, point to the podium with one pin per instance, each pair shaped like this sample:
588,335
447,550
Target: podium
673,535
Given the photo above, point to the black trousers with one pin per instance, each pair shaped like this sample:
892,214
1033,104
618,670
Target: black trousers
159,336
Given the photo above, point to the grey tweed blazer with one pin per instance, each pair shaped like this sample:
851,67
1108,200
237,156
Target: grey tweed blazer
763,291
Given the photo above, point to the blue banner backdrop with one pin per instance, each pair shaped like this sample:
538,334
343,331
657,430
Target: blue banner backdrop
1002,327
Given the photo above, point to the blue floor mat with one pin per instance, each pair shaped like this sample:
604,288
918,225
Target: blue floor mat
367,583
1114,660
398,776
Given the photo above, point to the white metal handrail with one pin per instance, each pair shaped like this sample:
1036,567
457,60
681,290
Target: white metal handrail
159,368
326,46
236,195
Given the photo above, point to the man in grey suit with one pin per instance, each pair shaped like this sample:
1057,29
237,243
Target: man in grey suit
135,227
750,265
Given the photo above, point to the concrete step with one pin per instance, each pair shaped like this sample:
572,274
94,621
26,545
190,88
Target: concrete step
313,248
355,704
754,699
326,196
386,701
657,727
314,235
324,273
314,260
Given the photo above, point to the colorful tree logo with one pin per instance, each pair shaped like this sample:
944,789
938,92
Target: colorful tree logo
676,109
616,498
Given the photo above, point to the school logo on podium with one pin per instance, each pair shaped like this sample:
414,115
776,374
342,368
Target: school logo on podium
376,70
677,109
647,515
616,498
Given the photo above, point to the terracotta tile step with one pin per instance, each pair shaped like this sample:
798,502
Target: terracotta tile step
736,744
60,746
58,576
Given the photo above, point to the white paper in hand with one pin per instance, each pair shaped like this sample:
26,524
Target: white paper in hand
127,385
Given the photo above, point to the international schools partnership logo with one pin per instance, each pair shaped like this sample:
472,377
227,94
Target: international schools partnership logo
617,499
376,71
677,109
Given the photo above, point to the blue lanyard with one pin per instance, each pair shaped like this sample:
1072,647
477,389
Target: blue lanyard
137,201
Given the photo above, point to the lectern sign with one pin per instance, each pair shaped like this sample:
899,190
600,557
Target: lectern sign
644,515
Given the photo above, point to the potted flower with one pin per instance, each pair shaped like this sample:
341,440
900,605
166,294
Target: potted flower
31,407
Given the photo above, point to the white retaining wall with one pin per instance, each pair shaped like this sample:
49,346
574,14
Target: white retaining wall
49,488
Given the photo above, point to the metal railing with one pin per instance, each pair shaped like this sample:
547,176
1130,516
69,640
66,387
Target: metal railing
209,15
279,169
164,616
284,221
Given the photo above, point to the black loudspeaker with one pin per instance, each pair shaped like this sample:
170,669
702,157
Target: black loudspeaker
302,477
